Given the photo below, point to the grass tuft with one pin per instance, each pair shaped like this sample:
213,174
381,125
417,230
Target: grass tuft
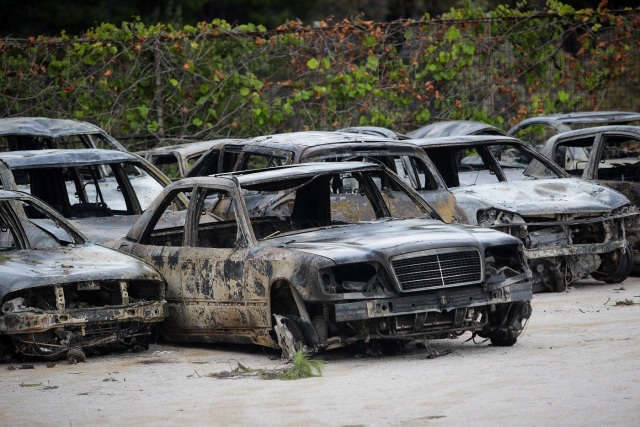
302,366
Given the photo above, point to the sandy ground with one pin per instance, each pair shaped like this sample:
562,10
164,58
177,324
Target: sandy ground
576,364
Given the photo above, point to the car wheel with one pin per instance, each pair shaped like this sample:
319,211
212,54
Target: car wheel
507,323
622,270
294,334
7,350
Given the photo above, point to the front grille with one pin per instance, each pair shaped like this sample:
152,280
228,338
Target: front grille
437,269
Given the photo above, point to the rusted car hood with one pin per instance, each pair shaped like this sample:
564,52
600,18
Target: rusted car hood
32,268
542,196
351,243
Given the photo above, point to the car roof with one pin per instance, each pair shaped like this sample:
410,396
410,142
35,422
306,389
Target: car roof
63,157
314,138
338,146
375,131
43,126
597,129
188,148
580,117
287,172
454,127
578,133
446,141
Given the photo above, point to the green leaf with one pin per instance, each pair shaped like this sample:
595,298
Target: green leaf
197,121
370,41
563,96
424,116
174,82
453,34
244,91
313,63
372,62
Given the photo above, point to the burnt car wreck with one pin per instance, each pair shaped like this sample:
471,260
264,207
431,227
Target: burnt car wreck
606,155
269,257
40,133
101,192
63,297
570,228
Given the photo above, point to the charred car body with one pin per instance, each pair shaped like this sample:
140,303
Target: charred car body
375,131
455,128
102,192
403,158
294,271
60,294
537,130
37,133
570,228
175,161
607,155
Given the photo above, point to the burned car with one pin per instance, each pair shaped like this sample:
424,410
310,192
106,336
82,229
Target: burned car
455,128
607,155
404,158
535,131
37,133
63,297
570,228
296,271
375,131
175,161
102,192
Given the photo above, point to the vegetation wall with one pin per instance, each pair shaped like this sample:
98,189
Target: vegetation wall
149,84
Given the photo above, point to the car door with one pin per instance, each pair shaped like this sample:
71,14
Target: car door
203,259
616,163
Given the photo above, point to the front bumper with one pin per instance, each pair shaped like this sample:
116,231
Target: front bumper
25,322
436,302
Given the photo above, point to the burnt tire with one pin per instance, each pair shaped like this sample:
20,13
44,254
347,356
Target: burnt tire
7,349
621,271
507,323
309,333
299,335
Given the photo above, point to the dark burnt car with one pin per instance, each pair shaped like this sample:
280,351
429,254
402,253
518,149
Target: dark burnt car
175,161
607,155
61,296
37,133
375,131
535,131
102,192
455,128
403,158
298,270
570,228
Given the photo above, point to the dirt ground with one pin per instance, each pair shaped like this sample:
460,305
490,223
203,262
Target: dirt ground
576,364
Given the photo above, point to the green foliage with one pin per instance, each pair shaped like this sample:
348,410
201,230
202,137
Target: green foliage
214,80
302,366
625,302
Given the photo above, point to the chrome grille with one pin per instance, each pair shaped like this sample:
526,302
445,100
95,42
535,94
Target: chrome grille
437,269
